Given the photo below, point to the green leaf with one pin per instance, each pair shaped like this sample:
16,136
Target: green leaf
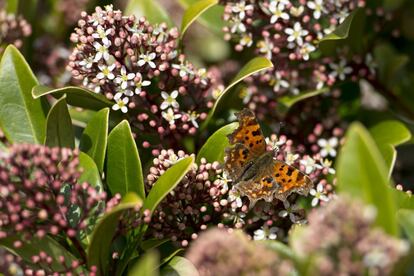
403,200
90,172
12,6
253,66
212,18
75,96
393,4
146,265
286,102
59,130
152,243
388,135
167,182
151,9
406,220
342,31
95,137
349,32
35,245
179,266
99,250
361,172
195,11
214,147
22,119
124,171
280,248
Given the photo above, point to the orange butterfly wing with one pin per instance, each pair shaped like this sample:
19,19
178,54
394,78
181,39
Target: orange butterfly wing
249,134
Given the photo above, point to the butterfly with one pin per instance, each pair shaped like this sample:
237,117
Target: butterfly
254,170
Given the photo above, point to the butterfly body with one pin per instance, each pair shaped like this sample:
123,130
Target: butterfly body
254,170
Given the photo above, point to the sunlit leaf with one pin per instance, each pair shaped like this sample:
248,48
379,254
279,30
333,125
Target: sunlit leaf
362,173
194,11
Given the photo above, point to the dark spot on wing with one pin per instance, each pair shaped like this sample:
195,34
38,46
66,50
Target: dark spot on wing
290,171
256,132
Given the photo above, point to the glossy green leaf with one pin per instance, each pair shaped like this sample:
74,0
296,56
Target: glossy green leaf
406,220
35,245
342,31
214,147
195,11
403,200
167,182
59,129
90,172
286,102
75,96
151,9
212,18
349,32
22,118
102,237
179,266
255,65
146,265
362,173
124,171
95,137
388,135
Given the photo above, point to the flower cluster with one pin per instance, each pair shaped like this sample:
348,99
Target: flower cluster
139,67
342,237
12,30
221,252
195,203
40,194
288,32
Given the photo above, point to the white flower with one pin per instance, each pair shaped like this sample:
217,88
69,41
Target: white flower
277,10
121,103
297,11
193,116
308,163
238,26
234,196
184,70
328,147
241,8
259,235
141,83
173,158
296,34
318,195
274,142
370,62
306,49
340,70
169,116
147,59
169,100
290,211
106,72
124,78
265,233
291,158
279,82
246,40
265,47
318,8
102,34
101,52
326,164
87,63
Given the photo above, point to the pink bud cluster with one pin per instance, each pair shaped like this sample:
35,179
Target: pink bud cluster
40,194
139,67
13,29
192,205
